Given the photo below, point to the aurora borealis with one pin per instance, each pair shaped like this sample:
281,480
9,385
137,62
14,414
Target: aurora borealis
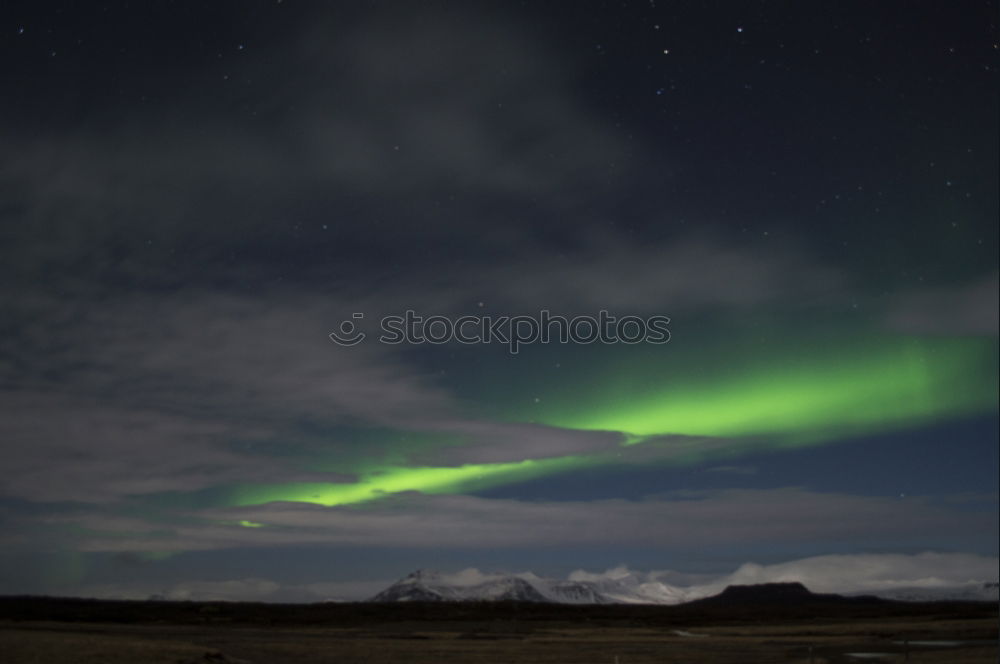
903,382
196,197
394,480
894,384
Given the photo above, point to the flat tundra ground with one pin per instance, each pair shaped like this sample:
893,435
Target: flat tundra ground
506,640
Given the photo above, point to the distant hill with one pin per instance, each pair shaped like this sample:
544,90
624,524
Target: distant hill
781,594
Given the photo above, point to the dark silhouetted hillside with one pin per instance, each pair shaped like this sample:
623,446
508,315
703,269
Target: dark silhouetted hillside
779,594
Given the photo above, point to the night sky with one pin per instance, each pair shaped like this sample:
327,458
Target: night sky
195,195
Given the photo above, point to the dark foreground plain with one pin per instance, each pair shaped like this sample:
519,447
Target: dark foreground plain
44,630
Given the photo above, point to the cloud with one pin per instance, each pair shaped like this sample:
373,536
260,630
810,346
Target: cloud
688,273
681,520
184,393
432,132
612,574
389,114
733,470
471,577
969,308
481,442
447,101
78,448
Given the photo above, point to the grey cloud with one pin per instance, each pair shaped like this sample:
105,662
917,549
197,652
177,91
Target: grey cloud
173,394
692,273
690,521
688,273
498,442
488,114
74,448
733,470
460,101
278,356
384,108
242,355
664,448
969,308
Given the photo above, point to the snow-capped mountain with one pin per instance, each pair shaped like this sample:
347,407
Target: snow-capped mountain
618,589
429,586
625,588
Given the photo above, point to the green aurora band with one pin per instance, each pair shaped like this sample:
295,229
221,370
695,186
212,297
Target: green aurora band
907,384
378,484
879,386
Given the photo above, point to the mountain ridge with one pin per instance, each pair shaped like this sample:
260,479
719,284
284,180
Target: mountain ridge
472,586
